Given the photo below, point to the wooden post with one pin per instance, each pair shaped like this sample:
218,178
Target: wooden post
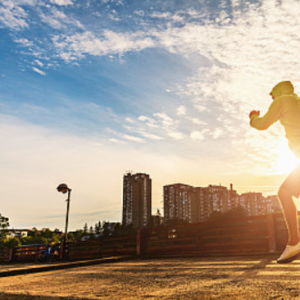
138,242
62,250
271,233
99,247
11,254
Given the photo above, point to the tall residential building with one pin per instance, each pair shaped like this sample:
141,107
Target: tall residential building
219,196
205,204
136,199
196,204
273,205
180,202
253,203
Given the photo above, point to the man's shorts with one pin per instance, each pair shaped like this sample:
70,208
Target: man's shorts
292,183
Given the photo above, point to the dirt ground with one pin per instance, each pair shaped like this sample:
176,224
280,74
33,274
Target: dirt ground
168,278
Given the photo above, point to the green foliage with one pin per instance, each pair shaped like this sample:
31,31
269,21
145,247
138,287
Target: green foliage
75,236
4,223
44,236
98,228
85,228
13,243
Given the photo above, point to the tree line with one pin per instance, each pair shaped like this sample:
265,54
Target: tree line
100,229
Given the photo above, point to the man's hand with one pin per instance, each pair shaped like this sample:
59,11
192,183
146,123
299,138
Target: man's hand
254,112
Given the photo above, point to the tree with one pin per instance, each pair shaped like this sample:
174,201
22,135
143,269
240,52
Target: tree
234,213
98,228
85,228
4,223
91,230
78,234
158,214
105,229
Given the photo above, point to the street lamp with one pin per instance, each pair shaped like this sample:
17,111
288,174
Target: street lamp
64,189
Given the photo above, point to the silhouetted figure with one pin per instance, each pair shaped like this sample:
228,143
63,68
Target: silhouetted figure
286,109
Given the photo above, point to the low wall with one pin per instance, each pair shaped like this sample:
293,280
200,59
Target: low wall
259,234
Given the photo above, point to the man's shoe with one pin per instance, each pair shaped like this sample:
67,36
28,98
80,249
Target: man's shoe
289,254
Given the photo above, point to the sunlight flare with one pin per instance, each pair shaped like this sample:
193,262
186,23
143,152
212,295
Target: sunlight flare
286,160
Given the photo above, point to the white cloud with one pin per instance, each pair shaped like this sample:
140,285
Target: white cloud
78,45
62,2
38,71
175,135
168,16
39,63
144,118
126,136
169,126
197,135
200,108
150,135
217,133
116,141
140,13
131,138
53,22
198,122
181,110
114,16
165,119
13,17
149,121
59,20
24,42
129,120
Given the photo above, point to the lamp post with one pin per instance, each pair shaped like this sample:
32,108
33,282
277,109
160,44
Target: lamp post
64,189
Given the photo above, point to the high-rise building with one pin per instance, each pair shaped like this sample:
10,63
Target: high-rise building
180,202
253,203
205,204
136,199
196,204
273,204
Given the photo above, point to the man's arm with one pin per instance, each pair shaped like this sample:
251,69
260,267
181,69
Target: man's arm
268,119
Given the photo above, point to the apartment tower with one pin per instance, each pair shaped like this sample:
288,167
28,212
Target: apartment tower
180,202
136,199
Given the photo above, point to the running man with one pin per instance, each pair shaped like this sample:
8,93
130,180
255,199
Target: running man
286,109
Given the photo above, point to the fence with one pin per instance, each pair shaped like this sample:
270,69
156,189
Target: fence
259,234
102,247
5,255
242,235
27,252
232,236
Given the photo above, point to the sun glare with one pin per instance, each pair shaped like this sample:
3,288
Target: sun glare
286,160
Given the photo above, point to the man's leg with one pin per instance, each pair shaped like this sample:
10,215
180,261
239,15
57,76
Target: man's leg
290,213
290,188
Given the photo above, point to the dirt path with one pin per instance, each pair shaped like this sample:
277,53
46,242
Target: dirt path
185,278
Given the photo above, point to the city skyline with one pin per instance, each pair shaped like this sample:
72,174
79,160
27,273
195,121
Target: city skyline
198,204
227,199
91,89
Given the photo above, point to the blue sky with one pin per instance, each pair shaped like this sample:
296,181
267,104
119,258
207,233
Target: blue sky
91,89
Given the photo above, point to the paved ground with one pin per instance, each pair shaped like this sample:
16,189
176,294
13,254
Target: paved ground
173,278
27,268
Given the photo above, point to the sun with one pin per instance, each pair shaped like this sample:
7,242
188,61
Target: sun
286,161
